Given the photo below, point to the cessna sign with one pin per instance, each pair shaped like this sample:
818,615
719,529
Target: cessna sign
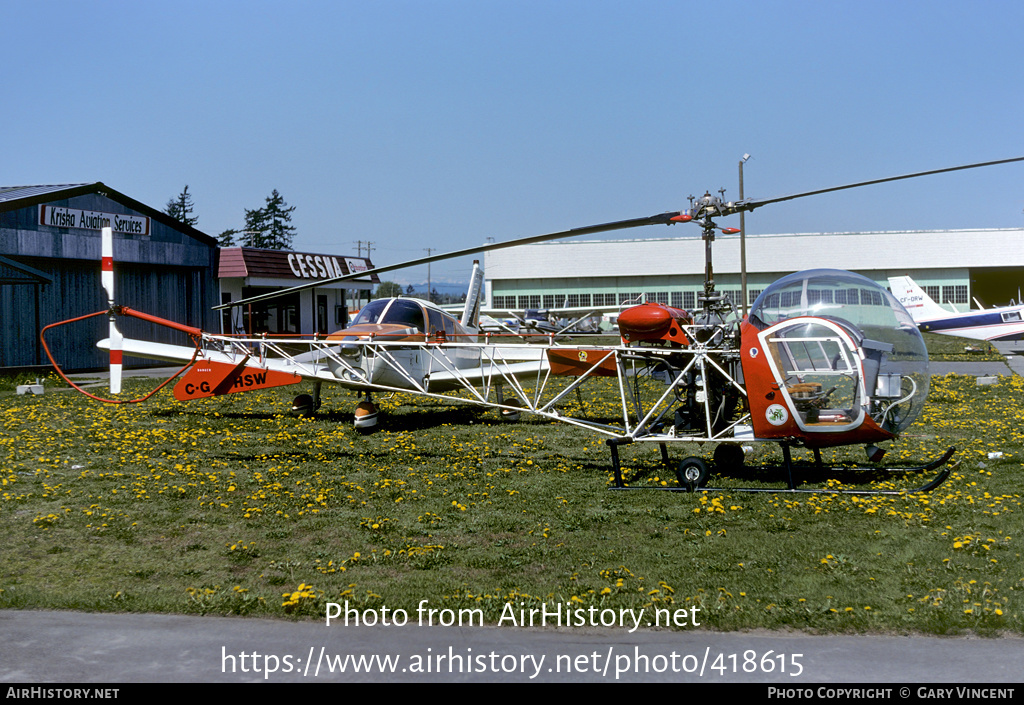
314,266
60,217
306,266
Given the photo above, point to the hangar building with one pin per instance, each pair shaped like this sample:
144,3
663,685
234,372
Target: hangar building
49,272
953,266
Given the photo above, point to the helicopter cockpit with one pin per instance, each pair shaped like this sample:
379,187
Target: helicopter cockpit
840,348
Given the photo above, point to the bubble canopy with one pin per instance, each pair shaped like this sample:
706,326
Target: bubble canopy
880,326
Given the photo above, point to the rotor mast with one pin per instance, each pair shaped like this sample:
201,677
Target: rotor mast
701,211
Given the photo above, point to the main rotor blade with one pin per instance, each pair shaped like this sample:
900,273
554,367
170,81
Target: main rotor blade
660,219
751,205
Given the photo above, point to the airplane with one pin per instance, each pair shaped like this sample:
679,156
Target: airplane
542,321
997,323
392,344
824,359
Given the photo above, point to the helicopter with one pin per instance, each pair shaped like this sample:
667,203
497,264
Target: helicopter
825,358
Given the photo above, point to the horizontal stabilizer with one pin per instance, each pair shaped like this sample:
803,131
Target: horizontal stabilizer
210,379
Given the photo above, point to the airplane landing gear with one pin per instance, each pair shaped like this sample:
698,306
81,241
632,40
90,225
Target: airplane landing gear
307,404
366,416
508,415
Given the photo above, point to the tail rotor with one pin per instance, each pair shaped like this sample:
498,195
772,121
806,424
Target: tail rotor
116,339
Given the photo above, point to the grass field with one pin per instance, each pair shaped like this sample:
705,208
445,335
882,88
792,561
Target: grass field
228,506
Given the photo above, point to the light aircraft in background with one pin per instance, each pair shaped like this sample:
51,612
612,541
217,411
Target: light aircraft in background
544,321
997,323
825,359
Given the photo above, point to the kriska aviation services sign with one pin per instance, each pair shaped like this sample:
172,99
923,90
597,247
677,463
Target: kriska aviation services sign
60,217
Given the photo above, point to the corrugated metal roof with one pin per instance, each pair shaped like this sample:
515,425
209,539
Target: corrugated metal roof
13,193
15,197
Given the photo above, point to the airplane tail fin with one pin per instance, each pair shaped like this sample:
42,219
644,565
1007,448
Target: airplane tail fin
471,314
107,279
919,305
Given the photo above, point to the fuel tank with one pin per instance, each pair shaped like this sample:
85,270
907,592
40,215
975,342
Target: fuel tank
653,322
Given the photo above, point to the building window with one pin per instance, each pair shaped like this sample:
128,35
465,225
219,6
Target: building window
847,296
549,301
752,295
934,292
956,294
659,297
689,299
869,297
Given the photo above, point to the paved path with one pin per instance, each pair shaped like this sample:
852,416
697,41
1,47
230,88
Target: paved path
73,647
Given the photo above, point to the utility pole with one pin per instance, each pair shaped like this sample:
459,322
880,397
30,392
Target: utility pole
743,243
429,251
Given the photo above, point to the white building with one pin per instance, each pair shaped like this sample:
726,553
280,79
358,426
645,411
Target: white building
953,266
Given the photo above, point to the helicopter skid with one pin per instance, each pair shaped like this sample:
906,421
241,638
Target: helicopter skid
787,469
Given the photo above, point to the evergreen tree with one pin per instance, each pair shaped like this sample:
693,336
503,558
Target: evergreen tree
180,208
254,234
227,238
269,227
280,231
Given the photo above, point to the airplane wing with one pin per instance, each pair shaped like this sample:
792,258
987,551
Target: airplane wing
498,366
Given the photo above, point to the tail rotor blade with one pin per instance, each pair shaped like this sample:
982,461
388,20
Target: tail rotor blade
107,255
107,279
116,346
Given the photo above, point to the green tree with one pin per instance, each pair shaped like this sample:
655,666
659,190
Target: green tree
279,219
227,238
180,208
254,233
269,227
387,290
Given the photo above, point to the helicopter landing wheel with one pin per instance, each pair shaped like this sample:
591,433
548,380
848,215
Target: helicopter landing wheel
692,472
728,455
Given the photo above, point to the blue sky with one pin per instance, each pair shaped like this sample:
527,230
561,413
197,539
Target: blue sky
436,124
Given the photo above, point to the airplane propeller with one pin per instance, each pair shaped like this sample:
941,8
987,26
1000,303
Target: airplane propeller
701,212
107,279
